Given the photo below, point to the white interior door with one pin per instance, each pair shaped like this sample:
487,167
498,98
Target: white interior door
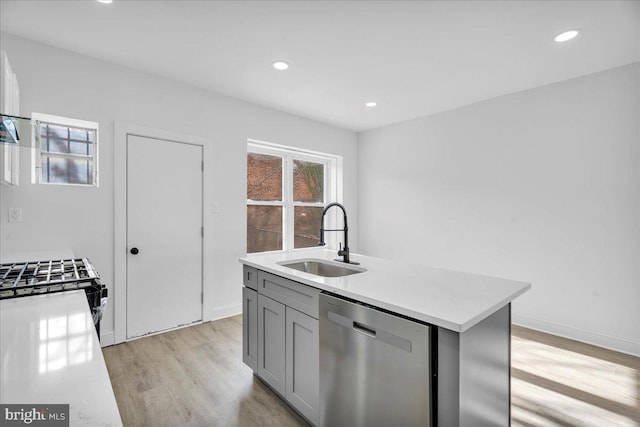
164,235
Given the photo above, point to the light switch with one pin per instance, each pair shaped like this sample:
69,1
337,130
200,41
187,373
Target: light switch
15,214
216,207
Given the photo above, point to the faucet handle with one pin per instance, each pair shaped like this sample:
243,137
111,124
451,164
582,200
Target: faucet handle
342,252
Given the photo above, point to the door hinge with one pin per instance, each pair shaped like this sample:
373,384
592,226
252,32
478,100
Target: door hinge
202,165
202,231
202,297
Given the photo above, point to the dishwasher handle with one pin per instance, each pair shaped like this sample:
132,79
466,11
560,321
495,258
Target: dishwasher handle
349,323
377,334
363,329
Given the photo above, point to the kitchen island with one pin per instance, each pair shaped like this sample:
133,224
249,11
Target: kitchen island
469,317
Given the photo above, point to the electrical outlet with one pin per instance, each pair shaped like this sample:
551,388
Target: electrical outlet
15,214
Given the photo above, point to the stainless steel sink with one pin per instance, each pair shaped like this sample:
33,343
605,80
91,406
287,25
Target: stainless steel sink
322,268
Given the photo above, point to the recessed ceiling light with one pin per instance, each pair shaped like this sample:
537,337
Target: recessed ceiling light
566,35
370,104
105,1
280,65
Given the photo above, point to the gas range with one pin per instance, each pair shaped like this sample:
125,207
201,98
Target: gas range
22,279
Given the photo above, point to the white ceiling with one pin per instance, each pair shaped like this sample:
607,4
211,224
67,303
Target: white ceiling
413,57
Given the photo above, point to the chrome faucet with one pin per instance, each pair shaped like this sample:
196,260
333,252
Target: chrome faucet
344,253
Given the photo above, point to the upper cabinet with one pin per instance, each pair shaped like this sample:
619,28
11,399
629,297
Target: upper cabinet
9,88
9,127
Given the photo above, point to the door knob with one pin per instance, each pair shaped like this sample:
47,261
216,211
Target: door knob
134,251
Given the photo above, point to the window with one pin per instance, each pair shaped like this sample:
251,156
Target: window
286,193
68,151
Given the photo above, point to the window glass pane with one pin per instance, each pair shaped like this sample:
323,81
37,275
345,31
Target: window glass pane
67,171
54,170
81,148
264,228
55,139
67,140
54,131
55,144
79,134
307,226
264,177
308,182
79,171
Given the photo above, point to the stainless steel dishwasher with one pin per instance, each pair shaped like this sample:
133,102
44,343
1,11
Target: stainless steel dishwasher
375,367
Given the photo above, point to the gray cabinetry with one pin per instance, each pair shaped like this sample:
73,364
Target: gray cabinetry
302,364
250,277
271,343
250,317
284,315
250,328
292,294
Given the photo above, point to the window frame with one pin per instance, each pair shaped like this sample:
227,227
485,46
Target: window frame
331,187
10,158
36,170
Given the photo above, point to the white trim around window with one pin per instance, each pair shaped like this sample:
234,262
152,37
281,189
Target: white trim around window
332,187
37,155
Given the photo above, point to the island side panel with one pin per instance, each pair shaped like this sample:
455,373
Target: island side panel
474,374
447,393
485,371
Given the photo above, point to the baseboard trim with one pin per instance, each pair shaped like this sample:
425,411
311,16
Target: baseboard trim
107,339
224,312
621,345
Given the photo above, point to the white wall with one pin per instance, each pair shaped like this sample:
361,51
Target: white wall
541,186
62,83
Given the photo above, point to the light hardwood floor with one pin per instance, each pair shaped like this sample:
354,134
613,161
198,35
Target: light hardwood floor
560,382
195,377
192,377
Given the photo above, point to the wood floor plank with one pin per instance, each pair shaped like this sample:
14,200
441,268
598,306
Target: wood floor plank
560,382
195,377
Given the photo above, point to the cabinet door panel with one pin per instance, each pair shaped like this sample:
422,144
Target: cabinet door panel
271,339
302,357
250,328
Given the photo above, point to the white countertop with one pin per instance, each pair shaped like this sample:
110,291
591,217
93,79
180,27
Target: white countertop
50,354
451,299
